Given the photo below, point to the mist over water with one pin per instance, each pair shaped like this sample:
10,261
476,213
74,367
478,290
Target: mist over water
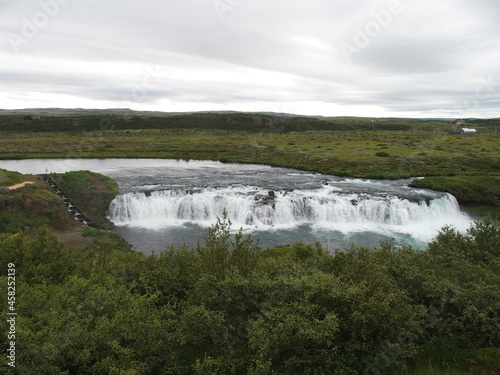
165,202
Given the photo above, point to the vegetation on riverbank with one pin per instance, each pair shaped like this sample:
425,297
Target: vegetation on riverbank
471,190
479,195
348,153
8,178
352,147
31,207
91,192
228,307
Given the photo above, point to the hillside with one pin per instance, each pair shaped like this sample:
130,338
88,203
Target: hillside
33,206
92,193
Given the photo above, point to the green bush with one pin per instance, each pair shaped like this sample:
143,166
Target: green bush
222,308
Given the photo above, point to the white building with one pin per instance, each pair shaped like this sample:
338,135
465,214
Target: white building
468,131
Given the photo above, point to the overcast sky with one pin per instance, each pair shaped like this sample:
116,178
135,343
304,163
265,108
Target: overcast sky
318,57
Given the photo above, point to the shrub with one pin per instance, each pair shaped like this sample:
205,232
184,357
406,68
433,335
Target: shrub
5,190
382,154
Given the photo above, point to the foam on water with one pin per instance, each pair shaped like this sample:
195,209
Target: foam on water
326,208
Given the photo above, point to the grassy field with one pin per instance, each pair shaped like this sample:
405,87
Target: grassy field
374,154
352,147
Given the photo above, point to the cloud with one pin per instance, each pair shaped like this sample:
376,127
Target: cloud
424,58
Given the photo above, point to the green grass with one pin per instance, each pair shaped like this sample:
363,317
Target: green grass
466,166
484,361
92,192
429,370
468,189
8,178
348,153
31,207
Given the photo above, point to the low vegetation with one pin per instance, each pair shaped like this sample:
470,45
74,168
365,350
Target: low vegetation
478,195
247,122
352,147
8,178
477,190
91,192
31,207
229,307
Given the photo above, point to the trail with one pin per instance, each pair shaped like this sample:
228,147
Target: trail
18,186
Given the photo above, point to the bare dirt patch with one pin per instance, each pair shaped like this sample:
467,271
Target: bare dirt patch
19,186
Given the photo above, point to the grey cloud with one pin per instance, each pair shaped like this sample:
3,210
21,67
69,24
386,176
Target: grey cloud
428,58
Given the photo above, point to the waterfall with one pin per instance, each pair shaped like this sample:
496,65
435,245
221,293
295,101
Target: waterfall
254,208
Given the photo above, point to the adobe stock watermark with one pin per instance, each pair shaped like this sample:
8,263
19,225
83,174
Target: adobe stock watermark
484,90
31,26
224,6
381,19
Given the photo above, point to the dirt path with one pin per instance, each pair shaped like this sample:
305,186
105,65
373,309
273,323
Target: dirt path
18,186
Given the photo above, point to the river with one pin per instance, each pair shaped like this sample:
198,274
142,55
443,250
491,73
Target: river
165,202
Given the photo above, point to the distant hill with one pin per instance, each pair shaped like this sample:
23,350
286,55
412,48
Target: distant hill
124,119
117,112
78,119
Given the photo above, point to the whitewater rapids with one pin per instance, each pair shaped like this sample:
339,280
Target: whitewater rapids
252,208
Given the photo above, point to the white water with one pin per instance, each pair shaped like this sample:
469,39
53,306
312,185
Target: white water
325,208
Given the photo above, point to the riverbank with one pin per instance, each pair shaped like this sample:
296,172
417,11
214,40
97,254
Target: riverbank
34,204
91,192
480,195
388,149
370,154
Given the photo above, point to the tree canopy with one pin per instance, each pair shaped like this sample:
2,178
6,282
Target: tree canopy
230,307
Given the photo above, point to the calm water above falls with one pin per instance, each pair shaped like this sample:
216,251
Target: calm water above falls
164,202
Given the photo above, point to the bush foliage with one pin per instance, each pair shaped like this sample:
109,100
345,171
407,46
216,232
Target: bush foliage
230,307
